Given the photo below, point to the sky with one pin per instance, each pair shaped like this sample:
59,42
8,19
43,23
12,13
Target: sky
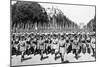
76,13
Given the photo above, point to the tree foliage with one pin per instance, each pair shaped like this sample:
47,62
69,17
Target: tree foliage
24,11
92,24
60,18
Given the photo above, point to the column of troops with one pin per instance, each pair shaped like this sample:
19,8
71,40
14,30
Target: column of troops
53,43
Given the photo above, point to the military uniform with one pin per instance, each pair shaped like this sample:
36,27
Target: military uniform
22,49
93,44
62,49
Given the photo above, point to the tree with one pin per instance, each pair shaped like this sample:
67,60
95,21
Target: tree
59,17
92,24
24,12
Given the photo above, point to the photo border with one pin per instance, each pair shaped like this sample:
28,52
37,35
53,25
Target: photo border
48,3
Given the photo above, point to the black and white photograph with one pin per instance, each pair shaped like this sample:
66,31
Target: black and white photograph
51,33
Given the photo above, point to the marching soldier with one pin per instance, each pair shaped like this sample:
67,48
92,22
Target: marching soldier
93,43
55,46
83,42
88,44
41,47
62,42
76,47
23,45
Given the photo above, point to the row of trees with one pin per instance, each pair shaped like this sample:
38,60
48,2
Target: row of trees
24,13
32,14
92,24
59,18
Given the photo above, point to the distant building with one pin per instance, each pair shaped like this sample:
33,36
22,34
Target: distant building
81,25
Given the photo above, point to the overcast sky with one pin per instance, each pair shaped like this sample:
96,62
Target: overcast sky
78,14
